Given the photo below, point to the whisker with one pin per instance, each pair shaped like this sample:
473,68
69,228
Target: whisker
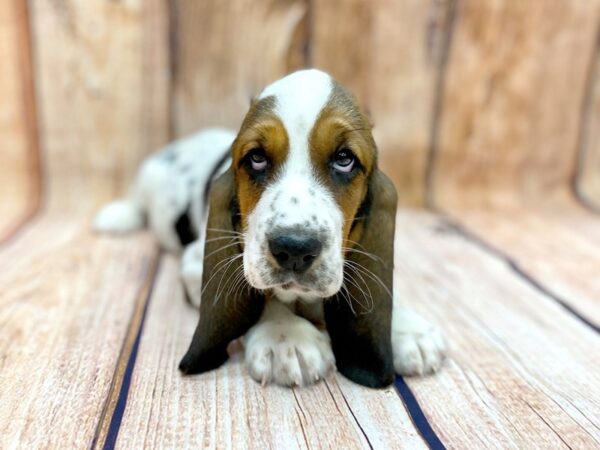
347,297
221,249
369,307
221,280
220,266
234,275
364,282
221,230
352,219
236,279
369,274
221,238
370,255
358,244
240,284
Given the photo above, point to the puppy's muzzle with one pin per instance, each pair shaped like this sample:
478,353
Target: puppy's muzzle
294,252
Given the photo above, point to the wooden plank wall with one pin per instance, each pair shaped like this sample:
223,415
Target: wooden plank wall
103,88
511,107
441,80
19,163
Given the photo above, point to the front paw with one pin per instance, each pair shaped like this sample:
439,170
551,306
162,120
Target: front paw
418,346
288,353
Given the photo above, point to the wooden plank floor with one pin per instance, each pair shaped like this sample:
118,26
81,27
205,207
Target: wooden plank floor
93,328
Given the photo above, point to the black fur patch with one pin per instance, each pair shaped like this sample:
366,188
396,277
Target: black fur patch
363,210
184,228
213,172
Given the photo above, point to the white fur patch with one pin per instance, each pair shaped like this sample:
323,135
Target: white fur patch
286,349
296,201
418,346
167,183
119,217
192,264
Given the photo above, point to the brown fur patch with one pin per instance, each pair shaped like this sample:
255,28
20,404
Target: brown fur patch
343,124
261,129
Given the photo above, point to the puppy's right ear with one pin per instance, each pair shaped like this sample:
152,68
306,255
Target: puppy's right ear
228,305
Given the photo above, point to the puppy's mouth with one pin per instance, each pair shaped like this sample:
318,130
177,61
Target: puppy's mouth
294,286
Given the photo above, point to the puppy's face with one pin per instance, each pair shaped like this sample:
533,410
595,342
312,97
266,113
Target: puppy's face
302,160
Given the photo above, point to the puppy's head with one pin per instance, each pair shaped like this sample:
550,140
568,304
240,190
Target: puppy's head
301,162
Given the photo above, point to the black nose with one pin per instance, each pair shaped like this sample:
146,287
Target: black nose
295,253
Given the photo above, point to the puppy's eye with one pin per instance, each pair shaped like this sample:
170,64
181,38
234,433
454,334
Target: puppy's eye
343,160
258,160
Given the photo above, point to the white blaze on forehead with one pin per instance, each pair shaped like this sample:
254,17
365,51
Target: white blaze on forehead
300,98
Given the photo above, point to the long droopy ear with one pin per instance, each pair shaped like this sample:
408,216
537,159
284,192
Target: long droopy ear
359,317
228,306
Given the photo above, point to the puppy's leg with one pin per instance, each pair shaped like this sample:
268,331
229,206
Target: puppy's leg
191,271
418,345
286,349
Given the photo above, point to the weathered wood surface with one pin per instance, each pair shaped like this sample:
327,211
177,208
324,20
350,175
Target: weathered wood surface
102,75
227,409
559,249
507,148
64,311
521,367
225,52
514,87
19,178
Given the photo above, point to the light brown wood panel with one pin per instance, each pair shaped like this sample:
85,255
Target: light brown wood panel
19,167
225,52
559,248
522,371
226,408
512,97
389,53
102,75
64,311
588,182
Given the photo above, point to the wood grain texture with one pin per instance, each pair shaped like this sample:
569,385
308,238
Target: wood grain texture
588,181
521,368
227,409
102,73
64,311
514,87
20,176
389,53
225,52
558,248
515,92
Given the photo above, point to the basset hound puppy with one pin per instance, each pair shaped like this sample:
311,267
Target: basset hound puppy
300,231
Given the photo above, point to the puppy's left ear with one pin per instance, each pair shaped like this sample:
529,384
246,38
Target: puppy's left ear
225,314
359,317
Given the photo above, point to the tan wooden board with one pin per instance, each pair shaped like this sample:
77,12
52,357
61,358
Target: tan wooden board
102,77
390,54
523,372
65,307
514,86
19,171
227,409
225,52
559,248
